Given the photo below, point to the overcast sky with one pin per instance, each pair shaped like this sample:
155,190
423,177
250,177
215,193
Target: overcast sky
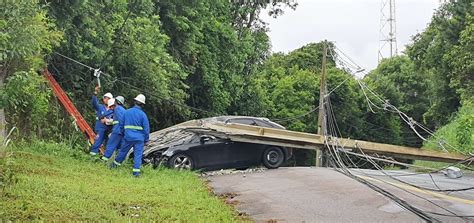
352,24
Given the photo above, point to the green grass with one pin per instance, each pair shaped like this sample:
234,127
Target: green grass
458,133
439,165
44,181
431,164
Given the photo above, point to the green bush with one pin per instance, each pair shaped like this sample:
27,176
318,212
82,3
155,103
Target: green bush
458,134
26,97
33,110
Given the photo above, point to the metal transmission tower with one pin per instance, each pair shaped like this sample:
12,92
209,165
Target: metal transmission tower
388,30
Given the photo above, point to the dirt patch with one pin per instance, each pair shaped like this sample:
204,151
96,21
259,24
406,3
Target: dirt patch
229,198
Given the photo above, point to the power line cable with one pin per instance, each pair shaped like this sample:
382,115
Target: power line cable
169,100
117,37
296,116
419,212
140,89
389,107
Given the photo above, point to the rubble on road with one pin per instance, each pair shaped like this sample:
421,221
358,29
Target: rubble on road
232,171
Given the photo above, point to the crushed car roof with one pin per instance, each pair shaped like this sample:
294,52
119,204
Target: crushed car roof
187,131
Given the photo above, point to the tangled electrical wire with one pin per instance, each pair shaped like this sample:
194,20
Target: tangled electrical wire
342,159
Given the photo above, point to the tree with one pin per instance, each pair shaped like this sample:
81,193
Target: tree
438,53
27,35
397,80
125,40
217,54
286,90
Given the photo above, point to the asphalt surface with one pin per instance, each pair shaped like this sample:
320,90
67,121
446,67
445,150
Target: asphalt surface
305,194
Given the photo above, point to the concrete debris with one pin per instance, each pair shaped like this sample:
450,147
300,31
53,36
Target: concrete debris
229,172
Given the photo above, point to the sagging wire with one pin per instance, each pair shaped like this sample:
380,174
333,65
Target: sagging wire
452,214
315,108
169,100
369,102
117,37
411,122
297,116
342,168
389,107
333,129
332,123
413,185
96,70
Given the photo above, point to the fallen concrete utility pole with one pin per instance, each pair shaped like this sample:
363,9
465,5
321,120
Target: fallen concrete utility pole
292,139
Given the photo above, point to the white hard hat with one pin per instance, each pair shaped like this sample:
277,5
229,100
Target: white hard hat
111,102
120,99
140,98
108,95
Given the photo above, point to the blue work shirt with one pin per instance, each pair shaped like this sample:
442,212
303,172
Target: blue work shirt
101,111
135,125
119,111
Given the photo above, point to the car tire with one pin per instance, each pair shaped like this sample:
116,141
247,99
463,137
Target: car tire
181,161
273,157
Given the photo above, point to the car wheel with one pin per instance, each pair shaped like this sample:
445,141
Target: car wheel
273,157
181,161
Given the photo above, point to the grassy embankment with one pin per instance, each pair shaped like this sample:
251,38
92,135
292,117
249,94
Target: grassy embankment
52,182
458,133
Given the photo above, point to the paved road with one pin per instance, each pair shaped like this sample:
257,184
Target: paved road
303,194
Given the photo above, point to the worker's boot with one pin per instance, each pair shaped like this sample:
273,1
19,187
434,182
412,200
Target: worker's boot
136,172
104,159
94,156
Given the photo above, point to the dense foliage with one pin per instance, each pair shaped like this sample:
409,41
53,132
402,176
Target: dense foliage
196,59
26,36
444,53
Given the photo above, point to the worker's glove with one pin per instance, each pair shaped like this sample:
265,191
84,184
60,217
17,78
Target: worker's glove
96,90
109,121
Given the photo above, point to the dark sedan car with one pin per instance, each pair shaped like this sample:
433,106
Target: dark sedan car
190,146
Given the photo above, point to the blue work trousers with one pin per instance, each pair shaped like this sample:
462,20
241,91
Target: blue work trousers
137,153
99,139
113,144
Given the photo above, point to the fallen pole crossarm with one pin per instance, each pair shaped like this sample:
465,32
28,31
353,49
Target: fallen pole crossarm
293,139
402,151
268,133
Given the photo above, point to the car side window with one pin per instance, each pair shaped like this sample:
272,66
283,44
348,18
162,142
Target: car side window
244,121
263,124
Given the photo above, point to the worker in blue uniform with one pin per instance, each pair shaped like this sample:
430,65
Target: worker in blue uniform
117,134
136,134
101,128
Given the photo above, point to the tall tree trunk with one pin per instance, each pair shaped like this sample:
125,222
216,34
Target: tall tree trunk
253,14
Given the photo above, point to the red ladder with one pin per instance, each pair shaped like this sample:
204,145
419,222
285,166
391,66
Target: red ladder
70,108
